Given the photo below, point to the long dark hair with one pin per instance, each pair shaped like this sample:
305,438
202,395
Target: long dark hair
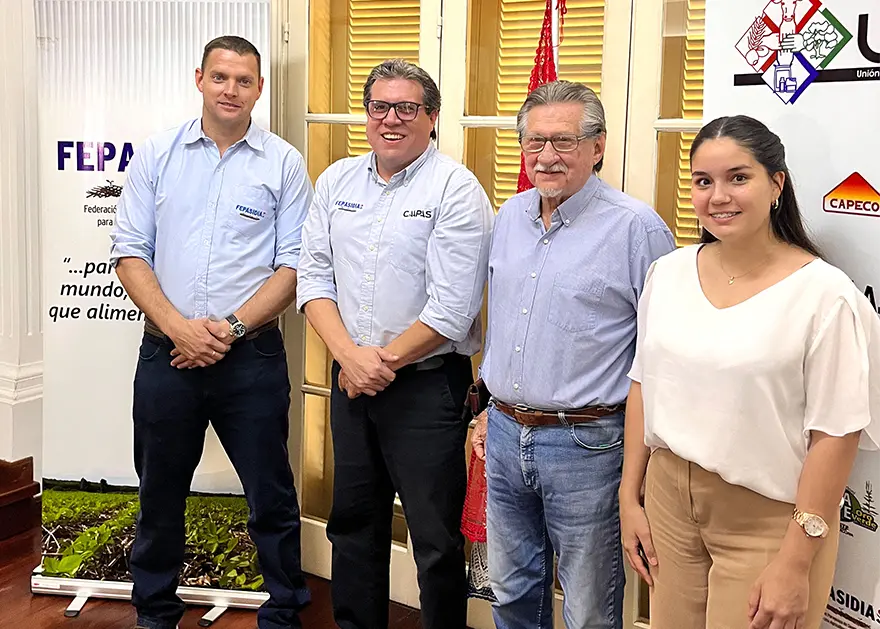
767,149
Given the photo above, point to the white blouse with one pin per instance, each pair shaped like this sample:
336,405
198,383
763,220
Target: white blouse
737,390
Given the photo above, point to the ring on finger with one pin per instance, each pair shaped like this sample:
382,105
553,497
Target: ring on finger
213,353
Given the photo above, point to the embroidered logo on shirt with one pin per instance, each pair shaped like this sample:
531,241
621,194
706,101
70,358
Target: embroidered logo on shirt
250,213
347,206
418,214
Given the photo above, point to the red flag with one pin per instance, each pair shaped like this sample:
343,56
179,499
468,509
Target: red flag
543,72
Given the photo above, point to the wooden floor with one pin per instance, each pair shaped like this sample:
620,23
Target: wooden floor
19,609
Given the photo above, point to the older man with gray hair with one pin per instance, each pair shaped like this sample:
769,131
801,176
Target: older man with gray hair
566,269
391,276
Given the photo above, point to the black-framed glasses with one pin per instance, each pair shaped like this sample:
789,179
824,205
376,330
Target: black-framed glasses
562,143
405,110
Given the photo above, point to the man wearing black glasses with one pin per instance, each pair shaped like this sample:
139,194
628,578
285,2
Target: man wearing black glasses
391,276
567,266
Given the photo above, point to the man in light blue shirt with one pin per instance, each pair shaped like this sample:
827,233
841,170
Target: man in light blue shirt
567,266
392,272
207,244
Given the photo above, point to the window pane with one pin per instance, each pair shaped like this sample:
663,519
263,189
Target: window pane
330,142
502,38
494,157
318,359
359,30
317,482
681,82
674,186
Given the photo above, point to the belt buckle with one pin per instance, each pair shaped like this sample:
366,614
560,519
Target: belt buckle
521,408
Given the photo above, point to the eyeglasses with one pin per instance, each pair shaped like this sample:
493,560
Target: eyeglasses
564,143
406,111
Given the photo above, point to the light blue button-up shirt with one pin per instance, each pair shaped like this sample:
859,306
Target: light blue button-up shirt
213,229
390,253
563,301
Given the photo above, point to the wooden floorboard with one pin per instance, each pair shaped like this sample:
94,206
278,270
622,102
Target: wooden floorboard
19,609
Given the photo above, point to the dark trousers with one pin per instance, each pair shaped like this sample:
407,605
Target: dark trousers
409,439
246,398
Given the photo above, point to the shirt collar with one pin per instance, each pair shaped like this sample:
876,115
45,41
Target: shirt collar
407,173
572,207
253,137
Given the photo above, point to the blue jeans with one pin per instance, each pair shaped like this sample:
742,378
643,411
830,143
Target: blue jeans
555,489
245,397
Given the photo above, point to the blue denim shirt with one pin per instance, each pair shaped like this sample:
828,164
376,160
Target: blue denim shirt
563,301
212,229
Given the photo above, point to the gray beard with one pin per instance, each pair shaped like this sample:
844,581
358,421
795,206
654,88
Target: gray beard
550,193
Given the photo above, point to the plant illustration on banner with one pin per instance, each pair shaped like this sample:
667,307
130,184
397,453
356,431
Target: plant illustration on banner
89,535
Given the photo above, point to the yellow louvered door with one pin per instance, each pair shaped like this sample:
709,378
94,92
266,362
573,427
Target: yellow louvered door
681,99
371,40
686,226
499,82
481,54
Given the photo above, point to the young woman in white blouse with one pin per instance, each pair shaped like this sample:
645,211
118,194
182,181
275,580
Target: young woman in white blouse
756,369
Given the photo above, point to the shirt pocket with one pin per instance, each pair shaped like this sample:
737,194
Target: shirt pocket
575,302
409,244
250,210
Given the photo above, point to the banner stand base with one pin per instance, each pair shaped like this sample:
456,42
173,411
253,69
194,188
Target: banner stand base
76,606
83,589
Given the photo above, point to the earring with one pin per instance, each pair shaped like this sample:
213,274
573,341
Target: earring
776,203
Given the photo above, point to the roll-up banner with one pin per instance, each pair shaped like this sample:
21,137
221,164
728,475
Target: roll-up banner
810,70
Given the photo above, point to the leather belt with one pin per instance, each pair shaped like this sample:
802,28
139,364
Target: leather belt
153,330
434,362
536,417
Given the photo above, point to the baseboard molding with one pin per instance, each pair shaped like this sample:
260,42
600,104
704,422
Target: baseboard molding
21,383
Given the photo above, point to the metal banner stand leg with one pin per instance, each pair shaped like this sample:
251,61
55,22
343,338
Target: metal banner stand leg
76,606
208,619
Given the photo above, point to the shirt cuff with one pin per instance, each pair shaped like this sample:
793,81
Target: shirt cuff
118,252
311,290
290,260
445,321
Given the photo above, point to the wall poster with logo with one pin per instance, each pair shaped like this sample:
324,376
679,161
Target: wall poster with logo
810,70
111,74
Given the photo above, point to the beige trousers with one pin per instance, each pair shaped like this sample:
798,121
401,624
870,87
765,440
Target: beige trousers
713,540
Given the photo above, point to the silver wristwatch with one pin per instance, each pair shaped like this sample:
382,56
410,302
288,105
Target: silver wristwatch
236,328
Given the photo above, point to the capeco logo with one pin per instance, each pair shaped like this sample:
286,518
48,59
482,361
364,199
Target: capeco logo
853,196
792,44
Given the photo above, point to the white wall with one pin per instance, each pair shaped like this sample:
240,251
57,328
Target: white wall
21,336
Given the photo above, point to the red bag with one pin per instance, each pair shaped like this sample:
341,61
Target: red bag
473,517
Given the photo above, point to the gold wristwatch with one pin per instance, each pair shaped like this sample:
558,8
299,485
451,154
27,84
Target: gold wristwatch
814,526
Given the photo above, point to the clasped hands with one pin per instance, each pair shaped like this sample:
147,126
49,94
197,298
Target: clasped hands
366,370
199,343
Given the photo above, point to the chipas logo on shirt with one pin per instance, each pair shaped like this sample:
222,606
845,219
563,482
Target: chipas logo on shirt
250,213
347,206
418,213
